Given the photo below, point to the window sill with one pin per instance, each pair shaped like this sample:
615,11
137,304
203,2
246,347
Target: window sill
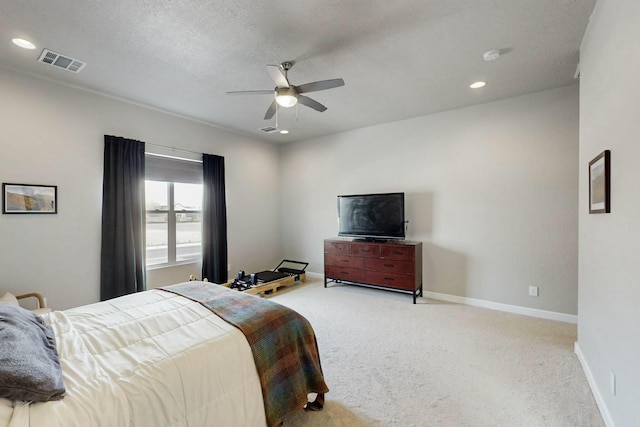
173,264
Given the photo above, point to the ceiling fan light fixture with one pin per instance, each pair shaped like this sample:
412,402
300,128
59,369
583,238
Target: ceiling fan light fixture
286,97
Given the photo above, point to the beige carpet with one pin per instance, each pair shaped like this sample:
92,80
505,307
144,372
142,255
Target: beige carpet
391,363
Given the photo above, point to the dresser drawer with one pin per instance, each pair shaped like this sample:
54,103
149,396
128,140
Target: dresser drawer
398,281
389,265
343,261
336,247
365,250
399,252
343,273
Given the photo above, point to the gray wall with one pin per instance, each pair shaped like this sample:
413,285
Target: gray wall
53,134
491,190
609,321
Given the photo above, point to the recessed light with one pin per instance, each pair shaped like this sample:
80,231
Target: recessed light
25,44
477,85
284,131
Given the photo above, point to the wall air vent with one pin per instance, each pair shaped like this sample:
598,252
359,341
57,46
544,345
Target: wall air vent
61,61
269,129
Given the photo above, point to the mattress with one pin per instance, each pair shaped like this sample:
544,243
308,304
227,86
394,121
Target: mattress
147,359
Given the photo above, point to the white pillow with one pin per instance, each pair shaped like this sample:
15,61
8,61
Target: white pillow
10,299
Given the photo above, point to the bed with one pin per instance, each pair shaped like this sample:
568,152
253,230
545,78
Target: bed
166,357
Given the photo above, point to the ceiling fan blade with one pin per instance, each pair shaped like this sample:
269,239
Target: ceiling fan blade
276,73
250,92
270,111
321,85
311,103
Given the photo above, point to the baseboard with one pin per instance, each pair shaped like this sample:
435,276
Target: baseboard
534,312
602,406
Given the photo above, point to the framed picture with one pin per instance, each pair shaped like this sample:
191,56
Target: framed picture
29,199
600,183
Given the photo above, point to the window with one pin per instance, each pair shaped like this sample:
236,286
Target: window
174,214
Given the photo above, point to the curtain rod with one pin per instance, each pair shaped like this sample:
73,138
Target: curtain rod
173,148
166,156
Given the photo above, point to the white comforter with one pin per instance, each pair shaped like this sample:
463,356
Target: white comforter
148,359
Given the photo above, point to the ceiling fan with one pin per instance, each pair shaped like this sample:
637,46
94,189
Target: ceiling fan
288,95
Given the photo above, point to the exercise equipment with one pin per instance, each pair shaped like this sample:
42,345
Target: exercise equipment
262,282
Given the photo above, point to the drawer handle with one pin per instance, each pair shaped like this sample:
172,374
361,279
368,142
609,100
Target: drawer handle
346,273
389,278
388,265
365,250
397,252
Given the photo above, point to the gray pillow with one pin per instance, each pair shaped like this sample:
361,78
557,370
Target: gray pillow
29,364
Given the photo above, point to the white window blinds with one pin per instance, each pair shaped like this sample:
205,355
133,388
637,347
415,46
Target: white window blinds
158,168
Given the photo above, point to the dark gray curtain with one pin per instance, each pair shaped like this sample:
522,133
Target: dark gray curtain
214,220
122,268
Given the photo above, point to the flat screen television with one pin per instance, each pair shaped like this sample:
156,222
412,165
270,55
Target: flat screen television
371,216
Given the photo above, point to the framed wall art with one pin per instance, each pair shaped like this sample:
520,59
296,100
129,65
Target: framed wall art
29,199
600,183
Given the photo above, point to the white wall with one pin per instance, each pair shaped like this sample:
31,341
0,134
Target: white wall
491,190
609,298
53,134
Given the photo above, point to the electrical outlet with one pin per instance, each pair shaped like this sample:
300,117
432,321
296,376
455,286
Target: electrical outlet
533,291
612,382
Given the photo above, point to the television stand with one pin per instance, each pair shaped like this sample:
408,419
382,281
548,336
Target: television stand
391,265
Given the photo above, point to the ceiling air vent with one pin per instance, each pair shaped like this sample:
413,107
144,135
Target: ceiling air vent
269,129
61,61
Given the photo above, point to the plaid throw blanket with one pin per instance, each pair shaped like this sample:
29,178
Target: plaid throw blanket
282,341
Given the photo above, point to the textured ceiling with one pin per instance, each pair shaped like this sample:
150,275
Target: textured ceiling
399,59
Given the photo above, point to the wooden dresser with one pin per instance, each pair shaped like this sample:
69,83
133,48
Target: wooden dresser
395,265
